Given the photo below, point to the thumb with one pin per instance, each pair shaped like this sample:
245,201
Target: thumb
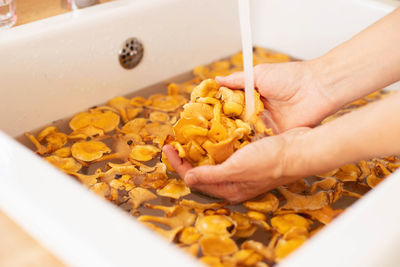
233,81
236,80
207,174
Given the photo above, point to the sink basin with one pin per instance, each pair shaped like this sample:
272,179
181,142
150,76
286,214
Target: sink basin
56,67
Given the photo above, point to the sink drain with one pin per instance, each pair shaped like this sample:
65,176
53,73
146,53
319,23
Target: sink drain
131,53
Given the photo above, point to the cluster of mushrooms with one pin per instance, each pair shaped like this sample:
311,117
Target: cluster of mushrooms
115,150
214,124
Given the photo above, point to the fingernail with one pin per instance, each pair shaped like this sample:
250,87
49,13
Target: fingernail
190,178
165,146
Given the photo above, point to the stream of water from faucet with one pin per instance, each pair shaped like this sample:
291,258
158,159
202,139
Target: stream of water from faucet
247,50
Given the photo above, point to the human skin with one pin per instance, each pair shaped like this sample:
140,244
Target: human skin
298,95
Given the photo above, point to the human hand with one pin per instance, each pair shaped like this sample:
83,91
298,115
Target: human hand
254,169
292,93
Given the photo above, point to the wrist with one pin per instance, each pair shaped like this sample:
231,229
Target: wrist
331,80
297,155
308,152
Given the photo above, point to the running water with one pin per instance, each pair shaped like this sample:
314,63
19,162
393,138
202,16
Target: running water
247,50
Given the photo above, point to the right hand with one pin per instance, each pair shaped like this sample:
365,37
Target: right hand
250,171
292,93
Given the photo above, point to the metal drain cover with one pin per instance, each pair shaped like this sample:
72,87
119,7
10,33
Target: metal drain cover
131,53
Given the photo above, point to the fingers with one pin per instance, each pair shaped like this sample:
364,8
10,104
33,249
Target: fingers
227,191
181,166
207,179
208,174
234,192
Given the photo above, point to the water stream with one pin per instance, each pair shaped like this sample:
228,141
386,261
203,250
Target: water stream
247,50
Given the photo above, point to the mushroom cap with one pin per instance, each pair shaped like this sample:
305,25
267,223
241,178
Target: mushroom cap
89,151
65,164
217,245
174,189
215,224
144,152
107,120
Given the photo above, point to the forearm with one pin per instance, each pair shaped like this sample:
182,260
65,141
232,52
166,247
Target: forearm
371,131
366,63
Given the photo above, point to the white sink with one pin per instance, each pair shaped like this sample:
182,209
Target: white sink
54,68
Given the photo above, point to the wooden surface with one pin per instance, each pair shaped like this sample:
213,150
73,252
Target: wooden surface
31,10
17,248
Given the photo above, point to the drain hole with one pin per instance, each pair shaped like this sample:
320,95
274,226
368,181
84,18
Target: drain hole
131,53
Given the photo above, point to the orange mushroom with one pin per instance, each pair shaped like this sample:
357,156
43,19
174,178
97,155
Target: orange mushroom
174,189
89,151
217,245
107,120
